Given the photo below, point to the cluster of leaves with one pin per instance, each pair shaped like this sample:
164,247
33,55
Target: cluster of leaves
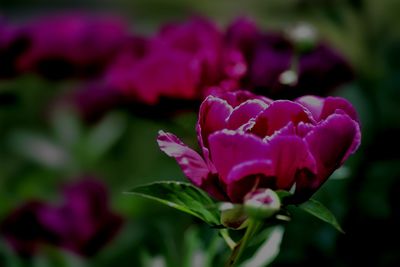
194,201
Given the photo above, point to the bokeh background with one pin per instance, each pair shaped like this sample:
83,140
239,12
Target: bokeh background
43,147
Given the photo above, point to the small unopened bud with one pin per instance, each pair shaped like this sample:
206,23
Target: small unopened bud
304,36
288,77
233,216
262,204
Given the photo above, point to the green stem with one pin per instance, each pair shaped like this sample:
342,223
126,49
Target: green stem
252,228
228,240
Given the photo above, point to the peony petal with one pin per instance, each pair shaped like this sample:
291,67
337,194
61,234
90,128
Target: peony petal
331,142
191,163
260,166
244,163
313,103
212,117
247,176
303,129
289,129
235,98
321,108
244,112
289,155
333,104
229,148
278,115
212,185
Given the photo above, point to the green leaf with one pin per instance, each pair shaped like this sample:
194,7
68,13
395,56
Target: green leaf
193,252
38,149
267,250
182,196
104,135
316,208
67,127
283,195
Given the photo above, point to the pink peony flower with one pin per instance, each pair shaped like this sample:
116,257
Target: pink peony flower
250,142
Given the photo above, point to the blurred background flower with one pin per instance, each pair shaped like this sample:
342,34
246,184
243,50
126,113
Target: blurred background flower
82,224
71,45
288,65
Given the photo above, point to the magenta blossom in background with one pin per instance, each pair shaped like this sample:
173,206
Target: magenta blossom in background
75,44
250,142
159,74
269,55
24,230
169,65
82,224
170,71
184,62
179,62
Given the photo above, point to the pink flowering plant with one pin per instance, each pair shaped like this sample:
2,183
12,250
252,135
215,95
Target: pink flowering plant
258,156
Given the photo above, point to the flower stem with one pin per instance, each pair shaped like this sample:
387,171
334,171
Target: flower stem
228,240
252,228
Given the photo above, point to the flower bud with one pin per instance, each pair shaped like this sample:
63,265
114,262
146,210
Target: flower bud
304,37
261,203
233,216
